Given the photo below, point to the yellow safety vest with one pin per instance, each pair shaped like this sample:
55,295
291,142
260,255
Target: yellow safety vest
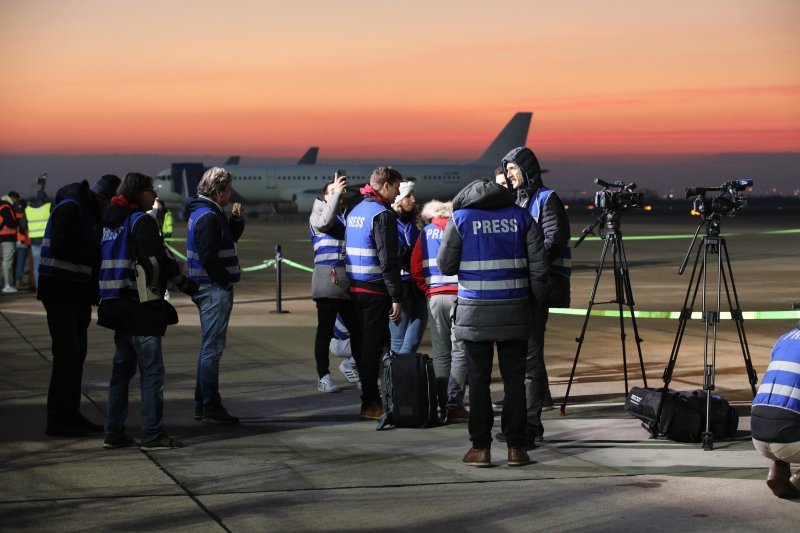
37,220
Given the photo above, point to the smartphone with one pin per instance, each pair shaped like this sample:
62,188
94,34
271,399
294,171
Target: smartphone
341,173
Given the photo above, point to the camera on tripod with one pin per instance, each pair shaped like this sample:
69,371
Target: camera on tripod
728,202
617,196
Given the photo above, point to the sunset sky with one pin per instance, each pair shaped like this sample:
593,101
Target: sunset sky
398,79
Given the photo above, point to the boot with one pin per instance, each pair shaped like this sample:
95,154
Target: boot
779,482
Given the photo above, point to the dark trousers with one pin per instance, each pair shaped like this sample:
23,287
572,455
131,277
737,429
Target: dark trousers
511,358
373,315
68,323
537,387
327,309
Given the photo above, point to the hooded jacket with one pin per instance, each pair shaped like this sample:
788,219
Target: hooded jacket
327,281
492,320
208,238
553,220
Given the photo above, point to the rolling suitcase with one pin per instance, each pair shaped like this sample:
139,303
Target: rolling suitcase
408,391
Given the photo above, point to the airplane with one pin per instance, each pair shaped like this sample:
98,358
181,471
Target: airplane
298,185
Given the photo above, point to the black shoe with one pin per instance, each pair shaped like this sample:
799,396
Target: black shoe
65,430
116,439
218,415
90,427
500,437
162,442
198,410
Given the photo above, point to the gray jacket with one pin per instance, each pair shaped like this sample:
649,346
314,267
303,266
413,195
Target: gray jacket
327,281
493,320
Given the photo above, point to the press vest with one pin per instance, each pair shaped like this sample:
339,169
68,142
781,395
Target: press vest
37,219
58,268
430,242
560,265
494,253
361,258
226,254
7,231
329,246
781,384
117,273
407,234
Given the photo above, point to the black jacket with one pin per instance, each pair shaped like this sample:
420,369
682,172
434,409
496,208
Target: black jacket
208,236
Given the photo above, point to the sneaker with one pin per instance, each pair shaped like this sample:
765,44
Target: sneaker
499,437
116,439
9,289
218,415
162,442
478,458
372,411
498,405
166,295
349,370
325,384
456,414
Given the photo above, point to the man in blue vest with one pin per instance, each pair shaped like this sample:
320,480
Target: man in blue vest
214,265
330,287
775,417
497,251
524,175
133,278
68,288
374,272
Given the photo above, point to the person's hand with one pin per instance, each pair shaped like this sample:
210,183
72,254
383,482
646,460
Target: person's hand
339,184
238,209
394,314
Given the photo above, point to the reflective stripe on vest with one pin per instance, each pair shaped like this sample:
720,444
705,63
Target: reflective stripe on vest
329,247
430,241
58,268
116,269
560,265
227,248
407,234
340,331
37,220
781,384
361,257
494,253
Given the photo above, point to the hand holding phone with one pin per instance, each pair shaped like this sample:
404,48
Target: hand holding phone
340,181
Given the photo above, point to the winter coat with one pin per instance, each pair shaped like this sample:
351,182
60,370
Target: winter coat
327,281
208,237
493,320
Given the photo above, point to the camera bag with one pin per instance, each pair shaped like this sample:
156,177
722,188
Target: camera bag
408,390
724,420
679,421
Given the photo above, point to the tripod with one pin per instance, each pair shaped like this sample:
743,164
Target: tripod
712,244
623,294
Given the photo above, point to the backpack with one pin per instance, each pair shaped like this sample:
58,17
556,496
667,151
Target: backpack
408,391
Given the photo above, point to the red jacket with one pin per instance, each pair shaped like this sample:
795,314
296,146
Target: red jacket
417,274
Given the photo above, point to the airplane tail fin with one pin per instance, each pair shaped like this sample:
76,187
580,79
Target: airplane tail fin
232,161
514,134
310,157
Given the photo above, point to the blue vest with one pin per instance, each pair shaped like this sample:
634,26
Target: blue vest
407,235
340,331
227,248
781,384
329,247
430,242
494,253
117,273
361,258
58,268
559,265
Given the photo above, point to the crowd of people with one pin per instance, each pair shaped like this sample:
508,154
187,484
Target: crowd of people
482,270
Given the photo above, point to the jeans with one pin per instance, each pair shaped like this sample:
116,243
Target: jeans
511,357
21,257
407,334
449,361
145,353
536,382
215,305
327,309
36,252
68,324
373,315
8,262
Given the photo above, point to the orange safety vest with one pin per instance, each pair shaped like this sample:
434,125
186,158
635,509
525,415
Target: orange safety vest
6,231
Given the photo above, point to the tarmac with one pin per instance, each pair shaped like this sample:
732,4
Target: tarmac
301,460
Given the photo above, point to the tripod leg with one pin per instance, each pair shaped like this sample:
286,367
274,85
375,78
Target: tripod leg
736,314
626,281
711,319
579,340
619,286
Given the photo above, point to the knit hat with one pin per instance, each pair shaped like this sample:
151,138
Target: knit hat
406,188
106,187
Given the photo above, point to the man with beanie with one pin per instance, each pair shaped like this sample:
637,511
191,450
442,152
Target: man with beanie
524,175
68,288
496,249
372,267
407,333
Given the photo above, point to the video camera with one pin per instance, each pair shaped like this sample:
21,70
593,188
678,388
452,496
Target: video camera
615,200
729,201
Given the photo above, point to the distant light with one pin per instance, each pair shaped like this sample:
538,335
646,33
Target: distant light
671,195
590,207
648,208
566,206
695,213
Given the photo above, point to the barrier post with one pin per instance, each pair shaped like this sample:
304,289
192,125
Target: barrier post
278,261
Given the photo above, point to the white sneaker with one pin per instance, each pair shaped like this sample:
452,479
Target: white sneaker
9,289
325,384
166,296
349,370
